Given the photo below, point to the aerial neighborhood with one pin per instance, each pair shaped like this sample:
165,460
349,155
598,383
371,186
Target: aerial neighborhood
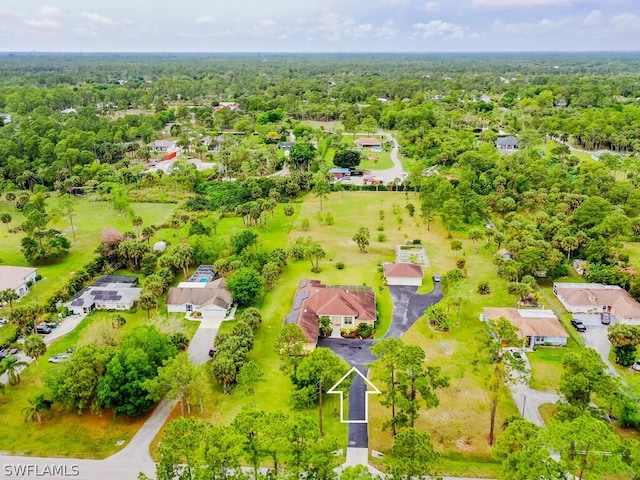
322,267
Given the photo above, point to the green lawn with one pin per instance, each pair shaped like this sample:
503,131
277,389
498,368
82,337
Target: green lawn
546,365
89,220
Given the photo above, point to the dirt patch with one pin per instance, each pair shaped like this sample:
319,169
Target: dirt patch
464,444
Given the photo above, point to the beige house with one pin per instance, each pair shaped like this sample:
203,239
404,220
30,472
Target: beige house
18,279
597,298
367,142
535,327
345,306
403,274
211,299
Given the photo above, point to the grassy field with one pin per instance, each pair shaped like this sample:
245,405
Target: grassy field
89,219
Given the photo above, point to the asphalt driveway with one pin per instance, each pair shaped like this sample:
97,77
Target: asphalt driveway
408,306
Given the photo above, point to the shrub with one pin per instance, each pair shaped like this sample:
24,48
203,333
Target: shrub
340,265
306,225
483,288
381,214
348,332
382,237
461,262
364,330
381,228
328,219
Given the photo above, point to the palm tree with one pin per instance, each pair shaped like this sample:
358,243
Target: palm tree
10,365
147,302
5,217
37,406
8,295
35,347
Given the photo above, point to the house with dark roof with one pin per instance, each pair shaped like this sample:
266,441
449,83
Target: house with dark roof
403,274
534,326
109,292
345,306
201,294
508,143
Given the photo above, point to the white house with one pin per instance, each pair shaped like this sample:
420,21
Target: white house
17,279
161,145
598,298
210,299
109,292
535,327
403,274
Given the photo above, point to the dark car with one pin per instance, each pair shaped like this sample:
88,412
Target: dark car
578,325
43,329
212,352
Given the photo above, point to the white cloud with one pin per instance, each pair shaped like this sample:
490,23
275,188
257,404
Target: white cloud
432,6
438,28
594,18
46,20
527,28
205,20
42,24
626,21
99,20
49,11
520,3
335,28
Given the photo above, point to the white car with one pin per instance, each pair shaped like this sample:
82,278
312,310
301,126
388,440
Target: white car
636,366
59,358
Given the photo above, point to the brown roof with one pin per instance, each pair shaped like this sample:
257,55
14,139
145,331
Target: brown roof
313,300
402,270
213,294
367,142
13,277
530,323
622,304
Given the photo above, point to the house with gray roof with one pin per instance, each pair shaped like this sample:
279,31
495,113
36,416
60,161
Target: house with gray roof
201,294
109,292
509,143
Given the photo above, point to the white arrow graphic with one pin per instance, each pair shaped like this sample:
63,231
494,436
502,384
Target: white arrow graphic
371,389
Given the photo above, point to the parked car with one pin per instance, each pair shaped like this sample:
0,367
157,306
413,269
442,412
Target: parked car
605,318
60,357
3,321
212,352
43,329
636,366
578,325
51,324
436,278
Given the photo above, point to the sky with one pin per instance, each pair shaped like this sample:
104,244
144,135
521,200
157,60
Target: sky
319,25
